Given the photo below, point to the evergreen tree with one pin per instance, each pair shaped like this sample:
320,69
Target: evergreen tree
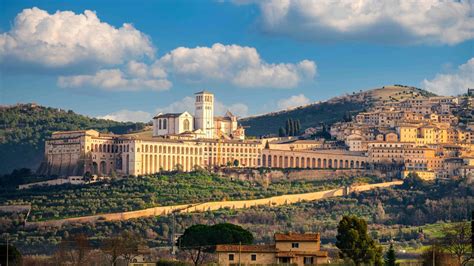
290,127
355,244
297,127
282,132
390,256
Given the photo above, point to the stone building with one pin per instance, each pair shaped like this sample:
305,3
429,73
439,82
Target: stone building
202,125
289,249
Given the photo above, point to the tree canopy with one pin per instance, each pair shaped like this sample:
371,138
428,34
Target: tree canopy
201,238
355,244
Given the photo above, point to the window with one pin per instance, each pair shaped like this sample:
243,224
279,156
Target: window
295,245
164,123
186,125
308,260
253,257
231,257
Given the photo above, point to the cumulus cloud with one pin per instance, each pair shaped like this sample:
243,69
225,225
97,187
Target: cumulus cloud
114,79
187,105
293,101
65,39
454,83
128,116
240,65
400,21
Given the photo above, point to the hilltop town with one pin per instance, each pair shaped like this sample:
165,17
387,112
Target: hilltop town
404,132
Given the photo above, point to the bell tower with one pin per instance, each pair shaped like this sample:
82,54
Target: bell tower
204,113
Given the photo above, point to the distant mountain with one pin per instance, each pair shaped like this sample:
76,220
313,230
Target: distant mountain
330,111
24,128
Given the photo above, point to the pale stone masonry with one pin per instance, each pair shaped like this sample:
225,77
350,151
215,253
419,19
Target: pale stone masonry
291,249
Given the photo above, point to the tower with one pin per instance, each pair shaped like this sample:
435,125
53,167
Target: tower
204,113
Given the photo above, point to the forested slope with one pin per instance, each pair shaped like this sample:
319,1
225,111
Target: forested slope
24,127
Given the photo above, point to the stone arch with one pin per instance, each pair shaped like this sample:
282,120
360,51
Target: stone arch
325,163
330,163
341,164
352,164
275,161
319,162
264,160
103,168
357,164
335,163
292,159
269,161
308,162
297,162
280,161
313,165
95,168
286,162
347,164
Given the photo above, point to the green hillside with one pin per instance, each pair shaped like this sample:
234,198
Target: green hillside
24,127
331,111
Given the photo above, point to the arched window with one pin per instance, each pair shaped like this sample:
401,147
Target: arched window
164,123
186,125
159,123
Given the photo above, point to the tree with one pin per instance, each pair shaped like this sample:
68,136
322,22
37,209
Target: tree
297,127
281,132
198,240
113,247
355,244
457,242
236,163
390,256
289,127
74,250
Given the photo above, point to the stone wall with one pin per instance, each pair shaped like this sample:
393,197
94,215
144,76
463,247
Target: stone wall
212,206
296,174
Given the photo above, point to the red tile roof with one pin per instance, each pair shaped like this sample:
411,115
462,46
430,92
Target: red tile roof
297,237
246,248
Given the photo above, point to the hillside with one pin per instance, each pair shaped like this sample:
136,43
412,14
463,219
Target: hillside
24,127
330,111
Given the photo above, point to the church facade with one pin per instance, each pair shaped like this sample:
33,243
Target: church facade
203,125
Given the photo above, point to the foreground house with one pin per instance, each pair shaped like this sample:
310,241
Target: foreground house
292,248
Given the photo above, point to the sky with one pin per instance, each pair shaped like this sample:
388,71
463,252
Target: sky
130,60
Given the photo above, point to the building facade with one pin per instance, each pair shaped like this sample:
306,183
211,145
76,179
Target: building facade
290,249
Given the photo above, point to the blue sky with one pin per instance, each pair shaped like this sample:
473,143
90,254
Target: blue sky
267,60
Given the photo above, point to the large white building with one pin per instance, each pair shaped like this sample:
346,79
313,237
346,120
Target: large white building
202,125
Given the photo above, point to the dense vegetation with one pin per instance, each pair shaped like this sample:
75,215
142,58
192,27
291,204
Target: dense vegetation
149,191
433,203
309,116
23,129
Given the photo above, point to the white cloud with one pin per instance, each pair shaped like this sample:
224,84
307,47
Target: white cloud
240,65
293,101
454,83
128,116
114,79
187,104
65,39
398,21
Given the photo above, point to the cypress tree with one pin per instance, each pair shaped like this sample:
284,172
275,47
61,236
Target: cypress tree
298,127
281,132
390,257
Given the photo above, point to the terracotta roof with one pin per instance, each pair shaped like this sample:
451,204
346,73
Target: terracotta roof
246,248
297,237
318,253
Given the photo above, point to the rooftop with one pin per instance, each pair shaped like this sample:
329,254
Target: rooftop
297,237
